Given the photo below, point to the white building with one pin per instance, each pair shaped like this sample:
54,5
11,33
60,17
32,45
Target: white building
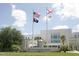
52,40
74,42
54,36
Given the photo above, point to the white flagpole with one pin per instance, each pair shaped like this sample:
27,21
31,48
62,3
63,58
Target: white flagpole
32,31
46,26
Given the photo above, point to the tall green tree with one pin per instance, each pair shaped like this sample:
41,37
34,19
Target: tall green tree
10,37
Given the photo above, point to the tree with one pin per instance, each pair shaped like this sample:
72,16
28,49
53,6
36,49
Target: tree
63,46
39,41
37,38
9,37
63,39
15,48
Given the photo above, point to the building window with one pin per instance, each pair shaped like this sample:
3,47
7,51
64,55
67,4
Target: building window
55,38
54,46
75,36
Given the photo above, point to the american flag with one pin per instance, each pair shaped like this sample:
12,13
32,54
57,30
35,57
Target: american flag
36,16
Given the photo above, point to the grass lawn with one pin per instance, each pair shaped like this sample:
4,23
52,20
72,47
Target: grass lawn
37,54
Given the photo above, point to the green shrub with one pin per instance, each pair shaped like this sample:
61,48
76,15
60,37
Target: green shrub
16,48
50,46
45,45
64,48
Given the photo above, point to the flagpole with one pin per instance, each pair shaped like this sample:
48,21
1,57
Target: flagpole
35,16
46,26
48,12
32,30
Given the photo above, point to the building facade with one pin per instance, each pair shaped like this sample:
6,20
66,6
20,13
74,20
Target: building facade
51,40
54,37
74,42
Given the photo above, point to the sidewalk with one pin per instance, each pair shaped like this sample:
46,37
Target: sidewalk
74,51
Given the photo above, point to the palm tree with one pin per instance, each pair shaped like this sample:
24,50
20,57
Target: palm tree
63,47
63,39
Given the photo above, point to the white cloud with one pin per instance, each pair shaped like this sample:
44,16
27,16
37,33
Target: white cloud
76,28
67,8
20,17
61,27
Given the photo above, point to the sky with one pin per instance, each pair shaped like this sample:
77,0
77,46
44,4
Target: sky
19,15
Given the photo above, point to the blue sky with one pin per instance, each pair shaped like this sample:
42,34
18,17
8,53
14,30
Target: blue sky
6,18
